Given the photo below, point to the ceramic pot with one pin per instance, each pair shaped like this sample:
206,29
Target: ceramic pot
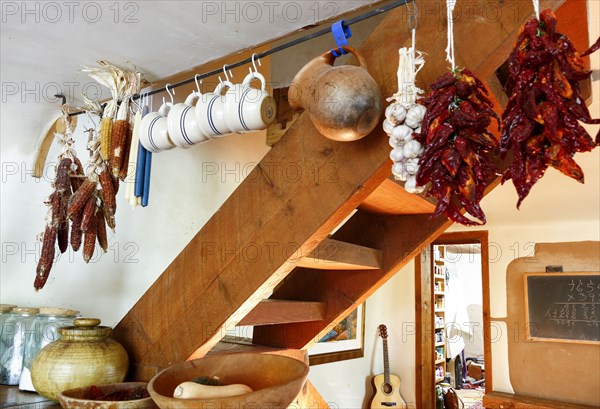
82,356
344,103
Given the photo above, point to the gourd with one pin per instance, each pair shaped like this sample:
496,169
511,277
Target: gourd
193,390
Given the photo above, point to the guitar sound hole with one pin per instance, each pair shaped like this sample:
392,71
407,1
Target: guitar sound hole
387,388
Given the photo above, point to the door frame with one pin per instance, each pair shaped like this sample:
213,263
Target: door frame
424,375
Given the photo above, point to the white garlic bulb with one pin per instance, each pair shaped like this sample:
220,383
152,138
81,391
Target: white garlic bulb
387,126
395,114
402,132
397,154
415,116
412,149
411,184
412,166
399,171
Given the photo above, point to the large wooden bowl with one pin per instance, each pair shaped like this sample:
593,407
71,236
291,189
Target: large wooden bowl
276,381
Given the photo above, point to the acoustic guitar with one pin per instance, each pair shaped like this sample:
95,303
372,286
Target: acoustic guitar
387,386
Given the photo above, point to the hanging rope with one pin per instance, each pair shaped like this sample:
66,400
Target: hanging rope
536,7
450,4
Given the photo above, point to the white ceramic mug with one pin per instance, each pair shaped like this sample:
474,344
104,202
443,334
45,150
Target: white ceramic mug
210,115
154,134
182,125
249,109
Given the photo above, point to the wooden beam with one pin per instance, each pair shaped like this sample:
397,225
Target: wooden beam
499,400
424,372
270,312
338,255
390,198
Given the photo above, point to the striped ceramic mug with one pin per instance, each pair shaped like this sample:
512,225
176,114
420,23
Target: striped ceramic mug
249,109
210,116
182,124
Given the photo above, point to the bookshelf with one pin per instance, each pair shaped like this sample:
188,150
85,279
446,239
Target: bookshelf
439,314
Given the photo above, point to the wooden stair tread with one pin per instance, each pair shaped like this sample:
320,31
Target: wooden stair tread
271,312
338,255
391,199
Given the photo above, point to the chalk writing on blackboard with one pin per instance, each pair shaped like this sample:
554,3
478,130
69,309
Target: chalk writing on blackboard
564,306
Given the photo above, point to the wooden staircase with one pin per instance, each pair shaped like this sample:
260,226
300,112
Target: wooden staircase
270,256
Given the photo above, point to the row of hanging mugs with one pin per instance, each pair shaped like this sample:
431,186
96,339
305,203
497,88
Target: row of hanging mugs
230,108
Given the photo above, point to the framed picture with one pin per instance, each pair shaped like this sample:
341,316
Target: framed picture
345,341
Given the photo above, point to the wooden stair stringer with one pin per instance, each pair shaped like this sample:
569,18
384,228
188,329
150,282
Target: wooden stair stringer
401,239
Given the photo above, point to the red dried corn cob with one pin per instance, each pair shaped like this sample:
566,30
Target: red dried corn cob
46,258
63,181
77,175
76,233
101,230
125,164
55,206
80,198
89,241
63,238
119,139
108,197
88,214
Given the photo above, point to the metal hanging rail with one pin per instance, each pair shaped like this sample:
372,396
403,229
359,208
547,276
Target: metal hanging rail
258,56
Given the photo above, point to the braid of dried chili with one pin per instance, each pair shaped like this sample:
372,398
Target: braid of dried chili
540,122
457,160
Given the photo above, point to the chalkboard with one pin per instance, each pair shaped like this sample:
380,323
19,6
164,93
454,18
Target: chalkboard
563,306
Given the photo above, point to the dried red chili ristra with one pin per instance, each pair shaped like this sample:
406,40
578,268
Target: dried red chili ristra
540,122
457,160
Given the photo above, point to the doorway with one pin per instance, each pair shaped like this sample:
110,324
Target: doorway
452,311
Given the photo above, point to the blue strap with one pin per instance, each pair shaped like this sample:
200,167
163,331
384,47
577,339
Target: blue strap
341,32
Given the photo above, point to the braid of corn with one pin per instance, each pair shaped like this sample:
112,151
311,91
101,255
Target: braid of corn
106,126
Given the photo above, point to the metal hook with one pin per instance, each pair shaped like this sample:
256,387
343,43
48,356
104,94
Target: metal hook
225,69
254,61
197,84
64,99
169,92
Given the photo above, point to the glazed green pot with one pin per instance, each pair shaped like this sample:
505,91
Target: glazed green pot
82,356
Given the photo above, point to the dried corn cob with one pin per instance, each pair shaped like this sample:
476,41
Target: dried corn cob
108,197
89,241
106,126
76,175
88,214
46,258
101,230
80,198
76,233
119,139
63,237
63,181
55,202
125,164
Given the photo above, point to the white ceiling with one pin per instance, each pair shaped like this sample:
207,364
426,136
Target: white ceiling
44,44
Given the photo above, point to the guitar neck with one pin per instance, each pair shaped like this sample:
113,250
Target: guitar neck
386,362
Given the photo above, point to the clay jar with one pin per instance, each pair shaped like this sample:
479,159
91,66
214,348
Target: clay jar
344,102
82,356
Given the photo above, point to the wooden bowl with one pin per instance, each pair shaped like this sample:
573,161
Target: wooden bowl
75,398
276,381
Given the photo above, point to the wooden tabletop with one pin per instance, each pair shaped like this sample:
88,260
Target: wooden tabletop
12,397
